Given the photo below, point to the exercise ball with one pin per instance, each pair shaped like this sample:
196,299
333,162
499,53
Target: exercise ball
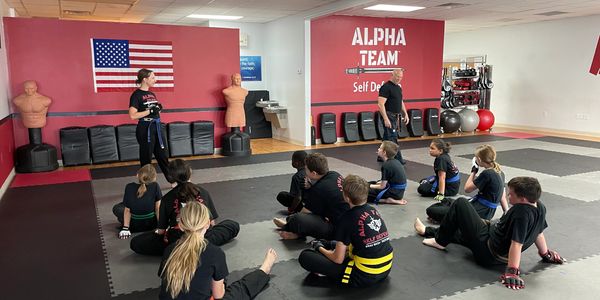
449,121
469,120
486,119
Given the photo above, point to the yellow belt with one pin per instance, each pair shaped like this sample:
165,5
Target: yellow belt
365,265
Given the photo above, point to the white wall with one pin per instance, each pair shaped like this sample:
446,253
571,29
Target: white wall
4,88
256,42
286,69
540,72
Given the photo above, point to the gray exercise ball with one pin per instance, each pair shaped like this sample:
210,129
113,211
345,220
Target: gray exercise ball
469,119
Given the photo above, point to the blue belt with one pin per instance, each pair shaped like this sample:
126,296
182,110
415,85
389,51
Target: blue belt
158,131
448,180
387,187
485,202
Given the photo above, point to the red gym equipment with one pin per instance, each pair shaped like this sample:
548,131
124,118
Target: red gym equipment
486,119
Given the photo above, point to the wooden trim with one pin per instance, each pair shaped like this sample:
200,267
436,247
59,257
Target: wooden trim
579,135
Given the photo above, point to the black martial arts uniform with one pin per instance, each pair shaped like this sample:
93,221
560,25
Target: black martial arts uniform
429,186
393,107
392,171
143,215
292,199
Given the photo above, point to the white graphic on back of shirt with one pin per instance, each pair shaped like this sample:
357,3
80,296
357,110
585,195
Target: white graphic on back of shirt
374,224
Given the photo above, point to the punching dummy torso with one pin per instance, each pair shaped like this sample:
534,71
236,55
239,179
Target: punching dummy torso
235,96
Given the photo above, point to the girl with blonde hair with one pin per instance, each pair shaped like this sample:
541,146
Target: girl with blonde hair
193,268
141,201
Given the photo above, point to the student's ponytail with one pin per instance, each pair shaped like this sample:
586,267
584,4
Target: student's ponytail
145,175
185,258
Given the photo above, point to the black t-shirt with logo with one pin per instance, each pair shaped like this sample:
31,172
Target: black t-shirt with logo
393,172
522,223
364,229
445,163
170,207
145,204
393,94
212,266
144,100
491,187
324,197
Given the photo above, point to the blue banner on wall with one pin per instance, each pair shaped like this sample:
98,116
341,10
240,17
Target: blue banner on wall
250,68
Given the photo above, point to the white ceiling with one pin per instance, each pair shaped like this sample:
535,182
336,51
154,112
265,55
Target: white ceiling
463,15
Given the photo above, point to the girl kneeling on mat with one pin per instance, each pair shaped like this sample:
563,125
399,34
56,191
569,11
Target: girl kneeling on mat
361,233
446,181
194,268
141,201
489,183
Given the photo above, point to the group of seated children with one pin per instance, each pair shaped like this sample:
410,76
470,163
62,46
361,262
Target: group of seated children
351,243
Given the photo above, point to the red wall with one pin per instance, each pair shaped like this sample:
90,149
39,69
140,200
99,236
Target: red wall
332,52
58,56
7,148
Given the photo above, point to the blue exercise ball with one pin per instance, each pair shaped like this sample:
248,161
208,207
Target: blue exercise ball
469,119
449,121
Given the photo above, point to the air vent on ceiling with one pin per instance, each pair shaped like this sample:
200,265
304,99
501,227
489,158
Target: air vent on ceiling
70,12
452,5
552,13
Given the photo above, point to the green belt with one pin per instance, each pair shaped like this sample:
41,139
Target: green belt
143,217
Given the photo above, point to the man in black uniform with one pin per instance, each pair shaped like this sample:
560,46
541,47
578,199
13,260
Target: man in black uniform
499,242
392,108
323,203
361,232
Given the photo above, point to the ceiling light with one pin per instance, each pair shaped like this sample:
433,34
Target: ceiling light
214,17
389,7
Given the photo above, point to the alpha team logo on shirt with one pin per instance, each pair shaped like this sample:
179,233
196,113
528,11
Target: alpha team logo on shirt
374,224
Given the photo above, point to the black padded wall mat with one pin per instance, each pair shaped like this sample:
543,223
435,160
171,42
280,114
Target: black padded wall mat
103,144
350,124
327,122
378,125
129,149
432,121
415,123
366,126
180,139
75,146
203,136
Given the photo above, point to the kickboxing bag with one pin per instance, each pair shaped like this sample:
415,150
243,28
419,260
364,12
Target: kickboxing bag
180,139
203,136
432,122
327,126
349,119
449,121
415,123
366,126
129,149
103,144
378,125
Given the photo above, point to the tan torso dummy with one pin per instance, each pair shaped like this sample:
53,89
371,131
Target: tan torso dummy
32,106
235,95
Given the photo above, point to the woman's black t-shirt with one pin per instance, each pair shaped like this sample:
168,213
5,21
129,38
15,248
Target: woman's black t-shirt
144,100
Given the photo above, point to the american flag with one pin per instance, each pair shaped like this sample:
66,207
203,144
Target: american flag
116,63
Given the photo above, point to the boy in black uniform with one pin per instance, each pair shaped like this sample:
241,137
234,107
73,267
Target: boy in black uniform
168,232
446,181
391,108
502,241
323,202
144,107
292,199
390,189
361,232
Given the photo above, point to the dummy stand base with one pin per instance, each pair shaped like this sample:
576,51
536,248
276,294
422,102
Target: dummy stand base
33,158
236,143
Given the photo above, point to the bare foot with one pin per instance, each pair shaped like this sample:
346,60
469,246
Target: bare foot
270,259
432,243
419,227
279,222
286,235
394,201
